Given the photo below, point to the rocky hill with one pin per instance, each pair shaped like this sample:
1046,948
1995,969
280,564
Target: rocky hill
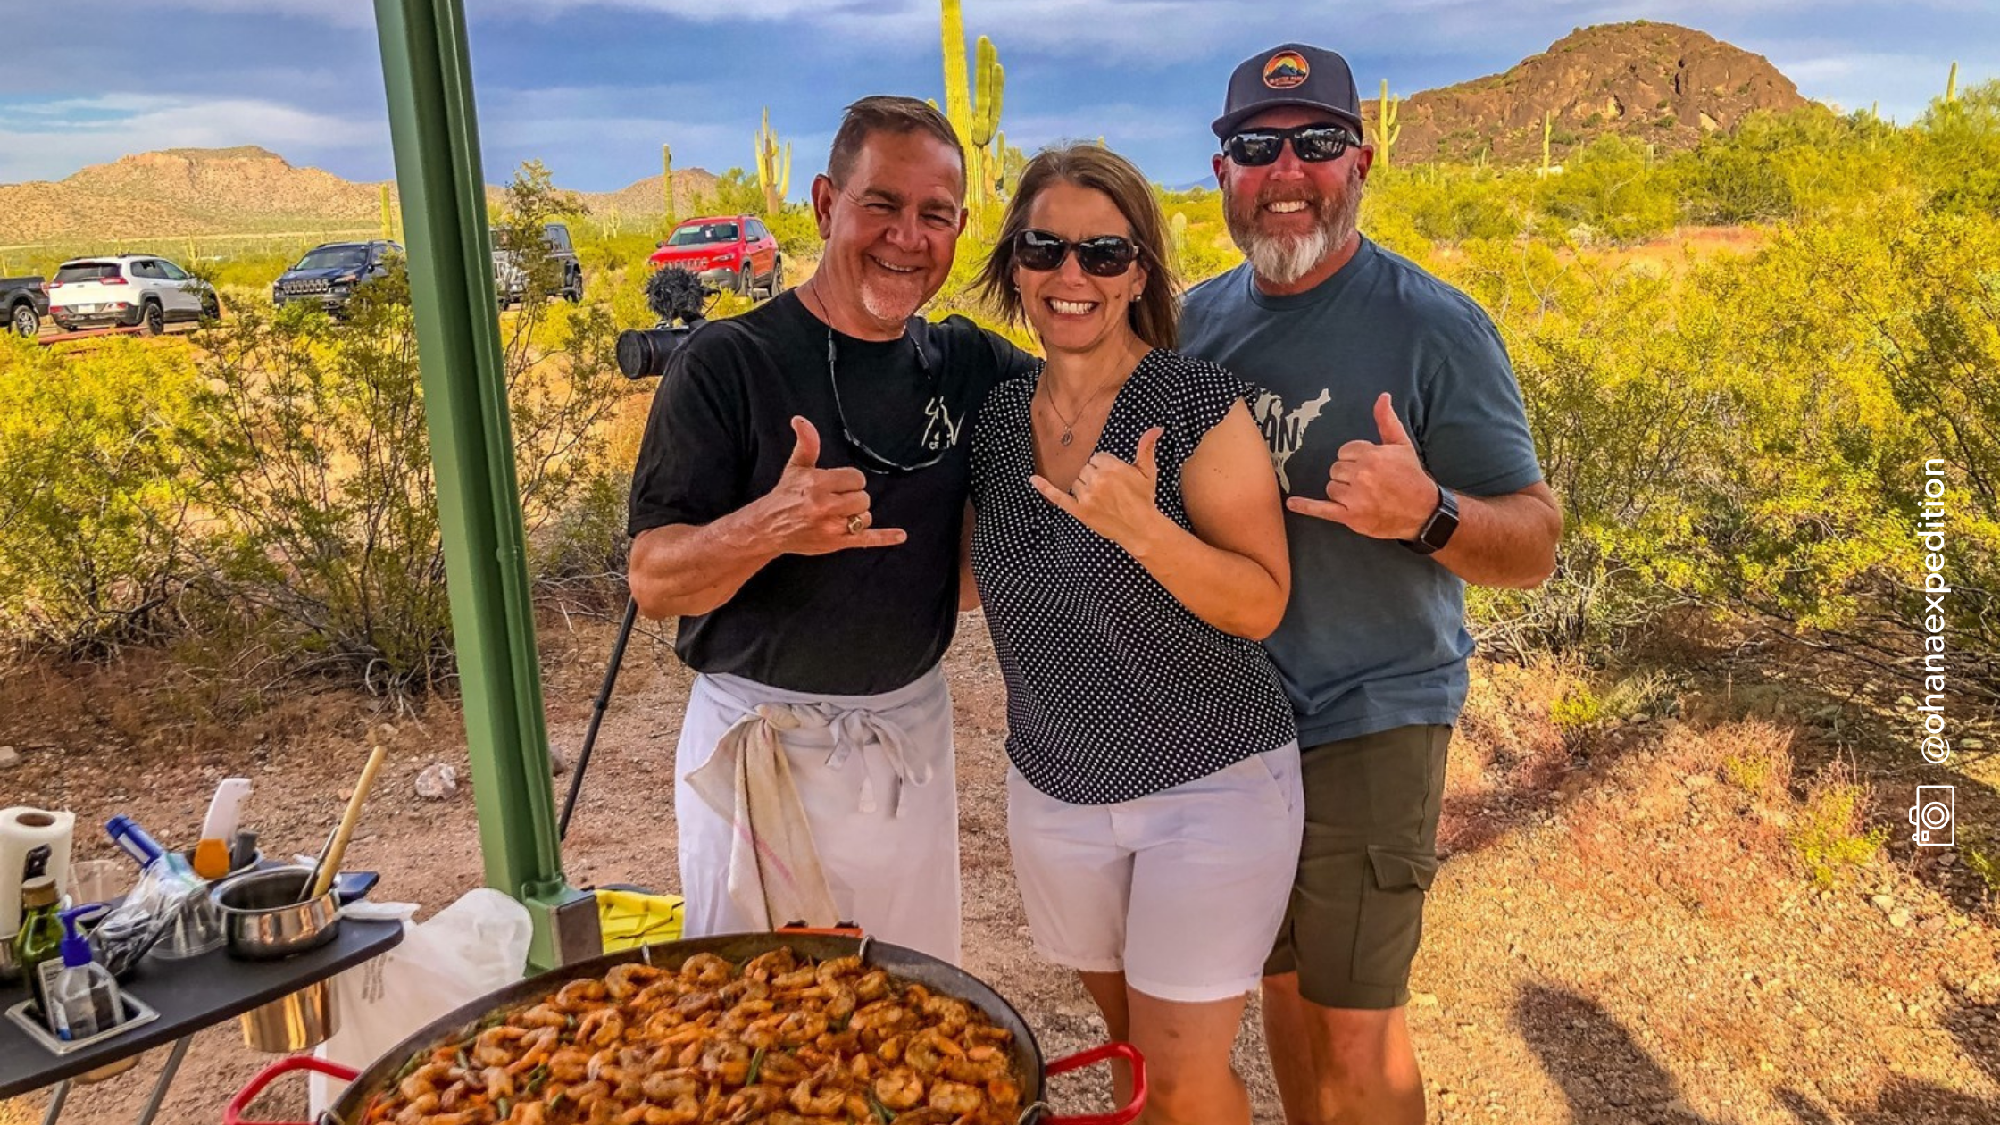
1657,83
197,192
644,200
185,192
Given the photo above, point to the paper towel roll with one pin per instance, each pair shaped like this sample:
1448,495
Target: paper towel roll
21,830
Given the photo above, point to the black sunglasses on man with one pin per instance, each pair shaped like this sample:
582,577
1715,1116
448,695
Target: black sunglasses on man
1314,144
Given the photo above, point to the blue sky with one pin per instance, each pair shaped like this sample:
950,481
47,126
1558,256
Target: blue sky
594,87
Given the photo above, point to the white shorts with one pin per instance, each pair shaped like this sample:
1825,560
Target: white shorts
883,810
1181,890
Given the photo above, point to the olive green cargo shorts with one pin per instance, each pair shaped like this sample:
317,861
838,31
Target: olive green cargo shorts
1370,851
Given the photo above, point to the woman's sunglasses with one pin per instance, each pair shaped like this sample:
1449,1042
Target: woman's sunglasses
1314,144
1106,255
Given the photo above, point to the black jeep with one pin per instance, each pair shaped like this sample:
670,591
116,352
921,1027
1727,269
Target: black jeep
330,274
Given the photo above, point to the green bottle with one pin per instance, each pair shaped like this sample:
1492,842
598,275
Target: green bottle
40,939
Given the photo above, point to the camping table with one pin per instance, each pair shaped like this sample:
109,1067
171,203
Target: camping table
190,995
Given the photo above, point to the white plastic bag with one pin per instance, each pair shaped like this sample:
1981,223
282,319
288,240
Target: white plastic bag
474,946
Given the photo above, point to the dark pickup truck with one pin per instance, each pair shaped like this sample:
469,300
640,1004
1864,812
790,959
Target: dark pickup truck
24,301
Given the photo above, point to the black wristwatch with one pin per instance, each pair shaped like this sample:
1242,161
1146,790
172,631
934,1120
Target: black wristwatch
1437,530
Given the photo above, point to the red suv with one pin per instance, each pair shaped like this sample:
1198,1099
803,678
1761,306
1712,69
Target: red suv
734,252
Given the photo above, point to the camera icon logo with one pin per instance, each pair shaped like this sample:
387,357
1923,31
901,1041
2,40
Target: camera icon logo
1932,814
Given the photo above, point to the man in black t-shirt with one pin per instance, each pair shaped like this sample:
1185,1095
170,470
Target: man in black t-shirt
799,503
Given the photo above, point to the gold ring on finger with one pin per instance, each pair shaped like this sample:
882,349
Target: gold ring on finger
856,522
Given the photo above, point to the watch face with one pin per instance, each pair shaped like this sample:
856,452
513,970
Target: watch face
1438,532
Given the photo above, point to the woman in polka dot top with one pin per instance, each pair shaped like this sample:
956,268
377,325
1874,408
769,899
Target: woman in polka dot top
1128,546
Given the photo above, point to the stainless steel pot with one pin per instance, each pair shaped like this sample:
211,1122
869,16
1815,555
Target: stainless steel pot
264,919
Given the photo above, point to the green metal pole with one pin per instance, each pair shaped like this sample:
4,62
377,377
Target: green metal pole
436,136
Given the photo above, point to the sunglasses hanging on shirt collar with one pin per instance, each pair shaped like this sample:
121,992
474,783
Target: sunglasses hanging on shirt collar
938,443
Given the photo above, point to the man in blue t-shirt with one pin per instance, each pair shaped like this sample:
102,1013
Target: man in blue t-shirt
1398,435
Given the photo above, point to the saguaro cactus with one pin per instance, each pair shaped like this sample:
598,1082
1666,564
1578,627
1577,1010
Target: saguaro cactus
1386,127
774,170
957,85
1548,128
972,100
667,181
388,216
1951,84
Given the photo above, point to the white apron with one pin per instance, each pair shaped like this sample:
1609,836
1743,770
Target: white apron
875,782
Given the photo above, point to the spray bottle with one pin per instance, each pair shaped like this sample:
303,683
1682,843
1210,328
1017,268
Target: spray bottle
83,999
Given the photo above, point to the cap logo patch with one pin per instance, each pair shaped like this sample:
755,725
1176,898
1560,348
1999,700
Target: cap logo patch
1285,70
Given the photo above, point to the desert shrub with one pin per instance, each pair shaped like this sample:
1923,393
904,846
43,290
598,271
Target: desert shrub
796,230
1827,828
1450,204
1611,187
97,516
1579,707
321,476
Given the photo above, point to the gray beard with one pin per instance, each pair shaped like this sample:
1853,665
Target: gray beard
1283,260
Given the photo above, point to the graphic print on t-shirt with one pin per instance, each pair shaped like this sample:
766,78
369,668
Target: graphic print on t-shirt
1285,431
940,432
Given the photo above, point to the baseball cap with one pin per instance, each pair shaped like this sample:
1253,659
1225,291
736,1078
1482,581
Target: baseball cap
1290,74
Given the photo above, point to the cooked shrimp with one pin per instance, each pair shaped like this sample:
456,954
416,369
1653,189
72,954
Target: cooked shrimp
541,1015
528,1113
726,1061
694,1003
682,1111
840,1001
580,993
624,980
423,1080
744,1014
570,1064
706,969
951,1014
873,985
489,1048
795,980
808,1099
498,1083
601,1028
801,1027
980,1064
899,1088
837,968
764,966
540,1044
1005,1092
881,1014
764,1033
418,1109
956,1097
930,1050
781,1069
751,1103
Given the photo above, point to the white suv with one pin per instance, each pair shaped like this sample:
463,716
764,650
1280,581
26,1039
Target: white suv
128,290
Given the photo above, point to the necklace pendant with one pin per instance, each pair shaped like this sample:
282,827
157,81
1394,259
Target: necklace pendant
1067,436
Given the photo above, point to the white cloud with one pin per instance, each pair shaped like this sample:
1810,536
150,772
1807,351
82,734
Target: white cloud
340,13
52,139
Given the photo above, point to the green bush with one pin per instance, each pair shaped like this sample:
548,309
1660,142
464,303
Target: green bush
97,514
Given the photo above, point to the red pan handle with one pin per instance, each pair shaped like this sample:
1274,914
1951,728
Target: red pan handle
1095,1055
234,1114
